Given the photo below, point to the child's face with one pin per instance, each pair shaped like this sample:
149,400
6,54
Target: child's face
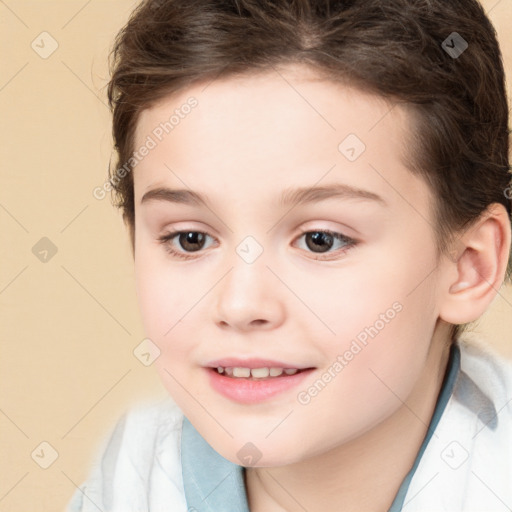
300,301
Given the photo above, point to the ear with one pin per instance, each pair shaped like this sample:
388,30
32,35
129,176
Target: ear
479,267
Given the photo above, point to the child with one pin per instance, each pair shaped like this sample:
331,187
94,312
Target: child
342,167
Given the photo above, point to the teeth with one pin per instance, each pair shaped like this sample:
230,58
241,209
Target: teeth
257,373
241,372
260,373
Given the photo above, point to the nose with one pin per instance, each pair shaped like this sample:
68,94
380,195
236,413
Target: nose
249,297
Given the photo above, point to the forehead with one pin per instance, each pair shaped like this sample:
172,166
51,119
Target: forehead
265,132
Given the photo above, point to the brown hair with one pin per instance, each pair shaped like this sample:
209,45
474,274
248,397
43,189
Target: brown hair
402,50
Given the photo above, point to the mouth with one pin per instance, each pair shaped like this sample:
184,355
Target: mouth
250,382
263,373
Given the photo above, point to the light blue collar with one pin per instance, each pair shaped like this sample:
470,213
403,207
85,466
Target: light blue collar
213,483
450,377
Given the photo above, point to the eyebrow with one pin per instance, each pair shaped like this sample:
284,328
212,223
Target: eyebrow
290,197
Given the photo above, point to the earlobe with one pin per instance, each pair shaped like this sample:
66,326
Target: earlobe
480,268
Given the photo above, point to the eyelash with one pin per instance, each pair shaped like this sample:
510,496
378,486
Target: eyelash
166,238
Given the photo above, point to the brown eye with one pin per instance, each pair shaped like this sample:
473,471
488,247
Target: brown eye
191,240
316,240
322,241
188,242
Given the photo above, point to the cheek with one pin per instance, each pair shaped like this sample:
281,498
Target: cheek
162,310
363,383
384,316
168,302
161,296
155,301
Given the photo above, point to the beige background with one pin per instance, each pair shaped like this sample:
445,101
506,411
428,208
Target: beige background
69,325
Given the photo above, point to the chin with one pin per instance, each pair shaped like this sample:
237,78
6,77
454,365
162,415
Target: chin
257,453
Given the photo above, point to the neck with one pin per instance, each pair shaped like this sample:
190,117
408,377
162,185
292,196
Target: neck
366,473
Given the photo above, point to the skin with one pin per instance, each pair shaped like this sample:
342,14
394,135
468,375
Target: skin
246,141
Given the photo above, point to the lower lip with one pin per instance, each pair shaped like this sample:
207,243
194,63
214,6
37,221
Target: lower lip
248,391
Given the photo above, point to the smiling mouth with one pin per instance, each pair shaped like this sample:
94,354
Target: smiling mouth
255,385
265,373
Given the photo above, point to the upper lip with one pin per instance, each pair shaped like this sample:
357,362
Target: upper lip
234,362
